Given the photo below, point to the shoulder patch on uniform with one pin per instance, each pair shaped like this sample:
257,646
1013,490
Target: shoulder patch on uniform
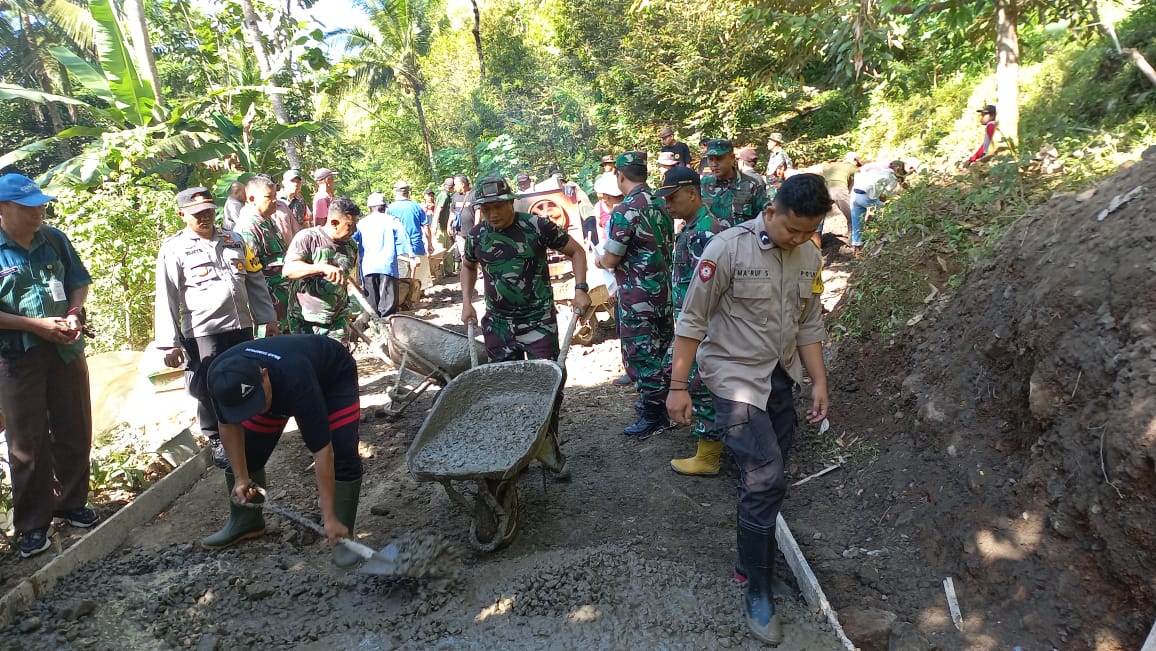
705,270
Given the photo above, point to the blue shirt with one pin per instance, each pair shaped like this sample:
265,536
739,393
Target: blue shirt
380,239
412,217
25,290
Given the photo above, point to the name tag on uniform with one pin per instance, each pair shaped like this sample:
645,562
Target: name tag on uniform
57,289
752,273
4,273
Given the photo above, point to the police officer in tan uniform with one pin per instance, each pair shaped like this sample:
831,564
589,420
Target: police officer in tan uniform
752,319
210,293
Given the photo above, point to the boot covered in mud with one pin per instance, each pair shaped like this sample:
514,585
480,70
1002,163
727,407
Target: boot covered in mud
757,557
346,495
651,421
244,522
704,463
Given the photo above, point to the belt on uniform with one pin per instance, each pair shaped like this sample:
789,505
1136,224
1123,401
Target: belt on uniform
858,191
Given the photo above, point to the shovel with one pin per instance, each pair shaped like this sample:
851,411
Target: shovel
382,562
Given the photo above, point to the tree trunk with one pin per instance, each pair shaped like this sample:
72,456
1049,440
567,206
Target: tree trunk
478,40
253,33
424,131
40,73
1007,70
141,45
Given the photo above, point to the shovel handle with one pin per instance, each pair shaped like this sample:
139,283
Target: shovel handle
354,546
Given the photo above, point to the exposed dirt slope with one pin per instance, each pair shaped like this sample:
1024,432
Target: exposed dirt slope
1017,425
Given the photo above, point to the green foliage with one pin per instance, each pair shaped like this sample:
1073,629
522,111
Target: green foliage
118,228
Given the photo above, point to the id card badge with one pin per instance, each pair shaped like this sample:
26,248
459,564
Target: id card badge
57,289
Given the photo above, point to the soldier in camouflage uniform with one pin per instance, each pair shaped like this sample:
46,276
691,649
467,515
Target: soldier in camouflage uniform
510,247
256,227
730,195
638,250
321,264
683,196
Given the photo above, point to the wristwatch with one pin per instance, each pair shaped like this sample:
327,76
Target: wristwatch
581,287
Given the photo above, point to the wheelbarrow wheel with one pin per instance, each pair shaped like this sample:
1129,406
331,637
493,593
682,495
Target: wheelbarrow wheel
495,520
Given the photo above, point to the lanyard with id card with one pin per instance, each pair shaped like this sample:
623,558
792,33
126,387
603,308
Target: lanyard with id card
55,287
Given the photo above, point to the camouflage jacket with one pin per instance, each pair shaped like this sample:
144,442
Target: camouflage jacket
514,265
735,201
641,233
314,298
263,239
688,248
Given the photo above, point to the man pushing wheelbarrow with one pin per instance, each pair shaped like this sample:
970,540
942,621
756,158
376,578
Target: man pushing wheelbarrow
510,247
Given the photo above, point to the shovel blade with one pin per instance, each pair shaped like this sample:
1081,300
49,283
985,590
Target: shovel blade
382,563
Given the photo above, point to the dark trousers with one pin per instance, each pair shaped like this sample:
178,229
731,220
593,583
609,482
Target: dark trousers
48,409
759,440
199,349
382,293
343,402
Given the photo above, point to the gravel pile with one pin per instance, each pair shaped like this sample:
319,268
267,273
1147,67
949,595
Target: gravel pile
491,435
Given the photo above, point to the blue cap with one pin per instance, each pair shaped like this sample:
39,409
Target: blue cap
236,387
22,190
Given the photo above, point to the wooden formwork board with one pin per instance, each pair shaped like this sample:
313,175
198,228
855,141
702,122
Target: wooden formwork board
808,583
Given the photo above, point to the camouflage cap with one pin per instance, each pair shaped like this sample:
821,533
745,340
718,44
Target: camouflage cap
493,189
719,147
628,158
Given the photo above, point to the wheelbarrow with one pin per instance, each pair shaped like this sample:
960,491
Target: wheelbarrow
486,426
420,349
588,323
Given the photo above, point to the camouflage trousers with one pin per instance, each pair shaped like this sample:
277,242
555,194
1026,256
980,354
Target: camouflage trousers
280,294
644,343
338,329
701,400
509,340
512,339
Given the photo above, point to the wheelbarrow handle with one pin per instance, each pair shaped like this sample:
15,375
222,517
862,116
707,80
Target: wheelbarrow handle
567,337
471,332
361,550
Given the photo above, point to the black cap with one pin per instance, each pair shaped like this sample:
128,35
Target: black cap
235,384
193,200
678,177
990,109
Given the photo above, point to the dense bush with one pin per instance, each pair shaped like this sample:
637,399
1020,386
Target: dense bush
118,228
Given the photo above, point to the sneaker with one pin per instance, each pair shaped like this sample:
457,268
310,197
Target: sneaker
220,458
34,542
83,517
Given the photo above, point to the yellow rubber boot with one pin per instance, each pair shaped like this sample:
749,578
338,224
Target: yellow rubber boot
704,463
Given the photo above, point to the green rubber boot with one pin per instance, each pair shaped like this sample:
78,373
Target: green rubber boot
243,523
346,495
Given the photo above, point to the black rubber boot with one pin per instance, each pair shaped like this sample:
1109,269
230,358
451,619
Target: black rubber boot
346,495
244,522
651,421
757,558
